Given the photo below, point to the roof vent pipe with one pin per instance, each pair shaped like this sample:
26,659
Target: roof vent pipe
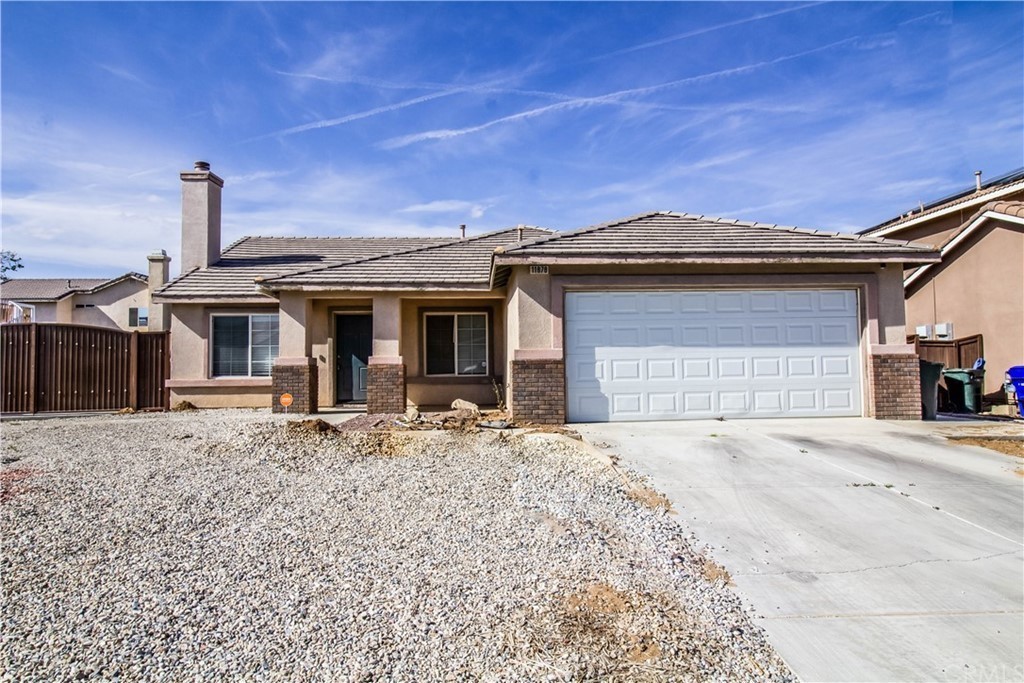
520,229
977,181
462,229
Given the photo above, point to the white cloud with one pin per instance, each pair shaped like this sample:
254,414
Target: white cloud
455,206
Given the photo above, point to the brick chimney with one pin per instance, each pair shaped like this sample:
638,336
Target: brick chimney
200,217
159,273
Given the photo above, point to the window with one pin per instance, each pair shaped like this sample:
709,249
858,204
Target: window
85,305
138,317
244,345
455,343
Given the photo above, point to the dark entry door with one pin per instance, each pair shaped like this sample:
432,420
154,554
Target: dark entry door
354,335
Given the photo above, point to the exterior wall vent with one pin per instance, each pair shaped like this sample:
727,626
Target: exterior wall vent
538,270
924,331
944,331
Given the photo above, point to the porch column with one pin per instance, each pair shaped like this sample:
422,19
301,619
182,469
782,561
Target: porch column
385,380
295,370
536,363
893,372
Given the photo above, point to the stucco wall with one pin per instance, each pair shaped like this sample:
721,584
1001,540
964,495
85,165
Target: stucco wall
537,319
47,312
190,367
111,305
980,289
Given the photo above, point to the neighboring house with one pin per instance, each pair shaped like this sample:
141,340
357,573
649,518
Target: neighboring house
978,288
122,302
657,316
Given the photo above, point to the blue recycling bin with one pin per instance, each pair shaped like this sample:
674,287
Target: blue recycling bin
1015,378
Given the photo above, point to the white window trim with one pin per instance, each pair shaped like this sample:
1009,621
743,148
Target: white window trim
455,331
248,346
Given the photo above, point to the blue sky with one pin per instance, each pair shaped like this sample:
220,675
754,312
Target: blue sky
387,119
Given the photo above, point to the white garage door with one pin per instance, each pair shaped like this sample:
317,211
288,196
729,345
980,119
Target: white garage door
735,353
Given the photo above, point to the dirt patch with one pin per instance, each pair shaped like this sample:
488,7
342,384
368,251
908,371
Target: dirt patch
551,429
648,497
644,651
624,631
599,598
1007,445
316,426
183,406
366,423
714,572
12,482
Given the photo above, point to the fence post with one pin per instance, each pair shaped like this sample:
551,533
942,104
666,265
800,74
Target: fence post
166,390
33,368
133,371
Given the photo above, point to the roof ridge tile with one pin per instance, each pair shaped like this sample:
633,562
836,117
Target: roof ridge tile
406,252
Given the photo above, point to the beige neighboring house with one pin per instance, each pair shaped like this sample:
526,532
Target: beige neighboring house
656,316
122,302
978,287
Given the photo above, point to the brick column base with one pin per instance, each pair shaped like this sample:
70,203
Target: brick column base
298,377
385,388
895,386
538,391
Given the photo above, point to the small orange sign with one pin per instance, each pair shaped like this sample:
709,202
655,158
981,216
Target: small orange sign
286,400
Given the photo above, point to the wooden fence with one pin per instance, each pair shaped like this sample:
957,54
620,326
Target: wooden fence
50,367
953,353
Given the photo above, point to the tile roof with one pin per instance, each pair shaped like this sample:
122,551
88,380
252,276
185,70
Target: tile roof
681,235
1015,209
1009,182
56,288
458,264
241,263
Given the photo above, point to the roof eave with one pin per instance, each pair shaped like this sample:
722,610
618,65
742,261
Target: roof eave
214,299
376,286
647,259
889,227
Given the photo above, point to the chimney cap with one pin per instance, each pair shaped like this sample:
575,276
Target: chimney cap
202,165
158,255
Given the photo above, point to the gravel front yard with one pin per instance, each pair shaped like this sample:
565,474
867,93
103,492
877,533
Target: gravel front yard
225,544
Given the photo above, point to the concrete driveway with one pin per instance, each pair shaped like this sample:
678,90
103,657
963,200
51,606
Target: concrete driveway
872,551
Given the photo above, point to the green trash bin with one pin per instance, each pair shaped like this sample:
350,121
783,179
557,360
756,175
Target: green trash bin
930,373
964,386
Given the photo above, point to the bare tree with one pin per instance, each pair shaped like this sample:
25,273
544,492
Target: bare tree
9,261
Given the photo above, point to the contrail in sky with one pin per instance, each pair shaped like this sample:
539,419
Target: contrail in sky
609,98
566,101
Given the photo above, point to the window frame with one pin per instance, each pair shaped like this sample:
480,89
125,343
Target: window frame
455,328
138,316
248,316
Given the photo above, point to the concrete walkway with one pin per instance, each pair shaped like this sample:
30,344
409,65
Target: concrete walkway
871,551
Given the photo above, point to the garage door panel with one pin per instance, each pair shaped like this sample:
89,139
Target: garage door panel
663,403
667,355
662,369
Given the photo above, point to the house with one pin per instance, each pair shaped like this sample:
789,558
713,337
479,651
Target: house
122,302
657,316
978,287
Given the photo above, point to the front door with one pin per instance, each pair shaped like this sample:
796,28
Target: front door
354,337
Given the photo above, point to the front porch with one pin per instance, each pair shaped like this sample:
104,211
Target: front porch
389,351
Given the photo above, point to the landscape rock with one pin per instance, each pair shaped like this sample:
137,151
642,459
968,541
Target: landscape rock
230,545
